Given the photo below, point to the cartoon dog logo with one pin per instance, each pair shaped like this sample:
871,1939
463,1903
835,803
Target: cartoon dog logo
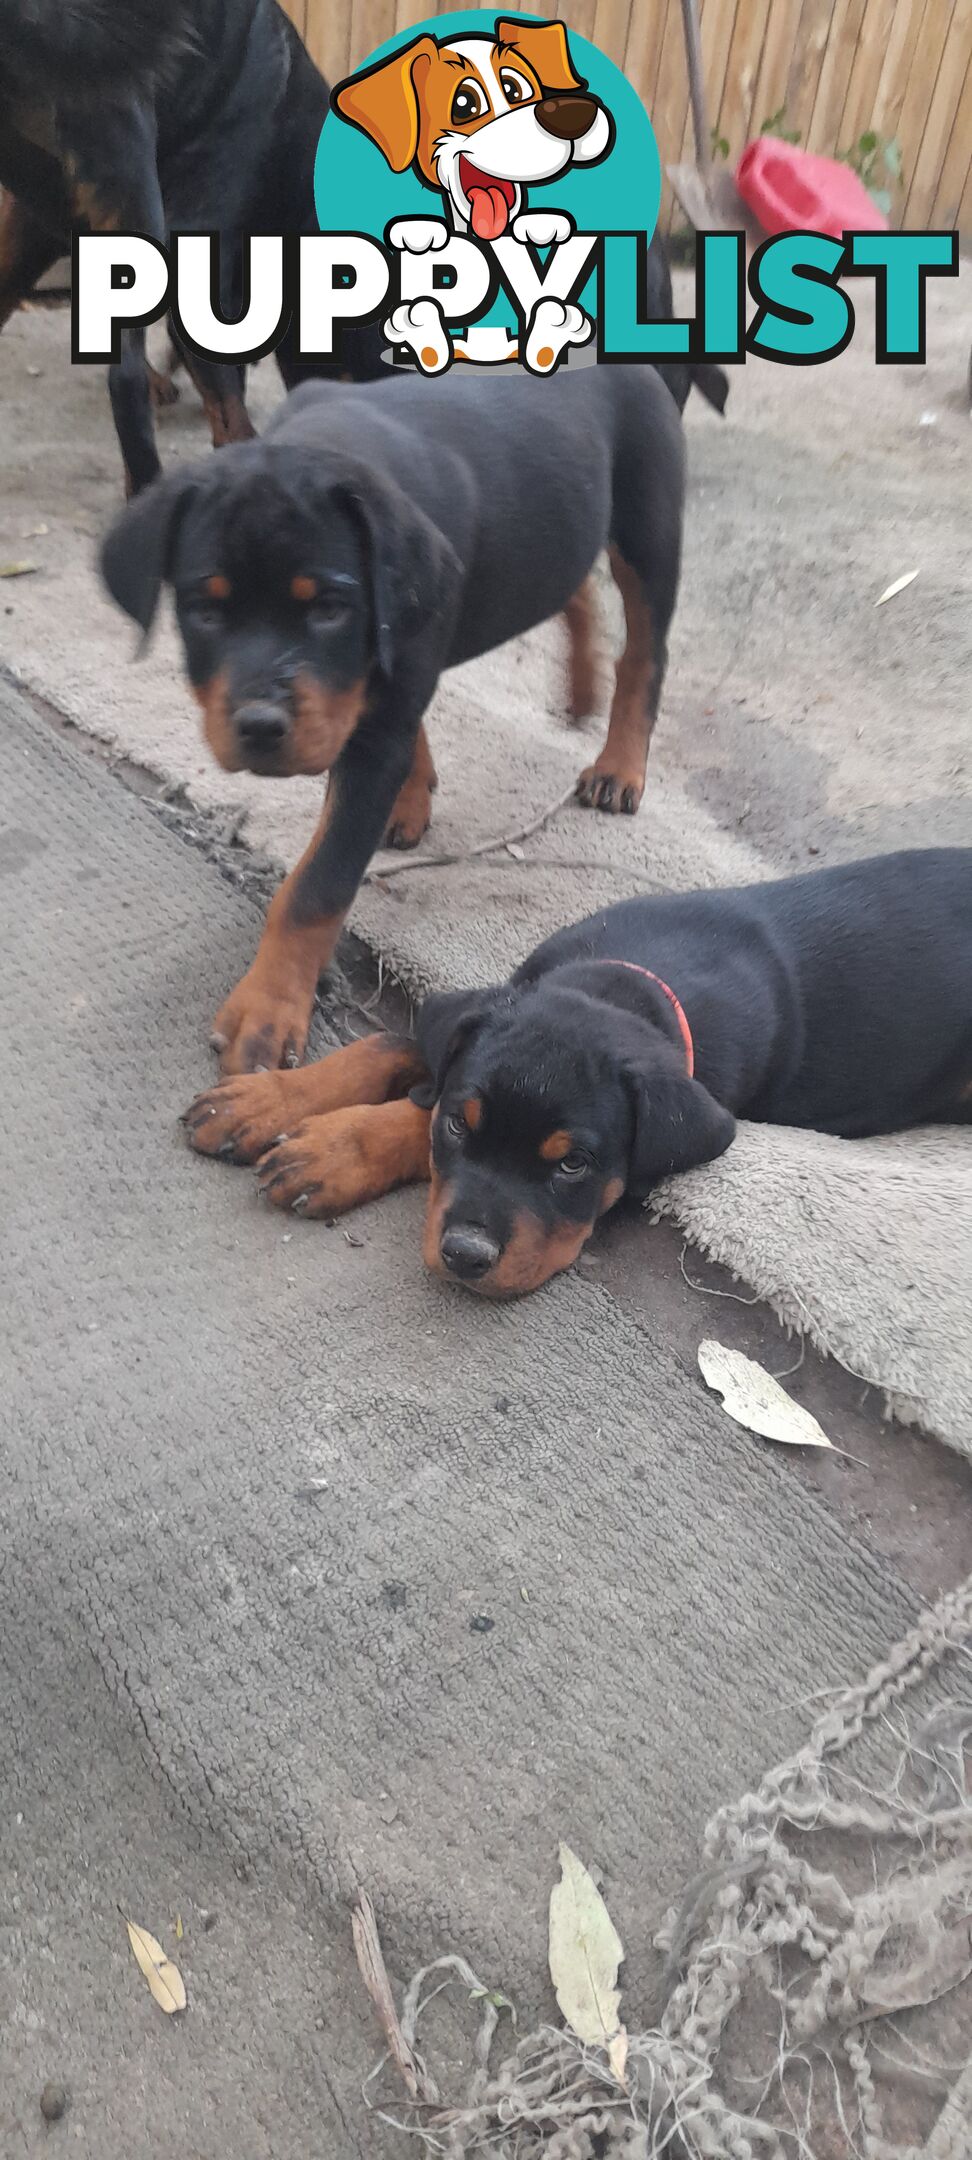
479,119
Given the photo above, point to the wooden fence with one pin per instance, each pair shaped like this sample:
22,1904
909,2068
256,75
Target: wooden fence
830,70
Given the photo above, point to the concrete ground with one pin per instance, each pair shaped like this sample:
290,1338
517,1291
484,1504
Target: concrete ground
228,1693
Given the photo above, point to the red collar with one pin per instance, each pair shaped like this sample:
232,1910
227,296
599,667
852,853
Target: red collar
683,1026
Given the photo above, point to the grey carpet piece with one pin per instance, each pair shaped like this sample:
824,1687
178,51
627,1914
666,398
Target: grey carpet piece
818,1967
229,1685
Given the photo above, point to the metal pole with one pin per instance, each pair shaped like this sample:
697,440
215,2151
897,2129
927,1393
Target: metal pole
693,54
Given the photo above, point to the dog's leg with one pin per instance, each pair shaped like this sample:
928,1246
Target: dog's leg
580,615
221,384
264,1021
112,175
131,404
240,1119
162,390
412,812
616,780
334,1163
26,251
221,387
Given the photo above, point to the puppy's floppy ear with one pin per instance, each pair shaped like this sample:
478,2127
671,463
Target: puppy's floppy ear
385,101
414,570
545,46
446,1023
137,552
677,1123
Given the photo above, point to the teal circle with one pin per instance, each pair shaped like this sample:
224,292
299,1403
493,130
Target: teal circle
356,191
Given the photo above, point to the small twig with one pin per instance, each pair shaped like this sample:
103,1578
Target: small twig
374,1973
788,1369
485,847
708,1289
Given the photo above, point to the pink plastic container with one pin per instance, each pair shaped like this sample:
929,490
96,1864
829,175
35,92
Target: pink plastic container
791,190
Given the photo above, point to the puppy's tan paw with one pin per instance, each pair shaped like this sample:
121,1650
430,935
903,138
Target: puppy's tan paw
600,787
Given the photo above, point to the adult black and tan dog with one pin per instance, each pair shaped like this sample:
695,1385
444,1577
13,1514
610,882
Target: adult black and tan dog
624,1049
159,116
377,535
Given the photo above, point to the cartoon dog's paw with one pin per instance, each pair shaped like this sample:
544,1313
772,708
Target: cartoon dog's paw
418,235
543,228
420,325
554,325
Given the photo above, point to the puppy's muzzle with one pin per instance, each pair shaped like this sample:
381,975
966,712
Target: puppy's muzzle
261,729
468,1252
567,117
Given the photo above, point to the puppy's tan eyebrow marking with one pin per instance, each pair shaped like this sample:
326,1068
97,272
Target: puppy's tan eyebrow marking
556,1146
218,588
303,588
472,1111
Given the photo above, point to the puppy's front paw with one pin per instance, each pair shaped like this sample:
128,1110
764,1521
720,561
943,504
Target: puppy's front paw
420,325
411,815
418,235
603,787
238,1119
321,1168
554,326
543,228
258,1029
346,1157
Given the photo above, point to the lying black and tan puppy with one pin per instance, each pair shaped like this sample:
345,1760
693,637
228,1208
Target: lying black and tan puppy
379,534
622,1050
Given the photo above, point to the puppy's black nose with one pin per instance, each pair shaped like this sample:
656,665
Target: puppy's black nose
468,1252
569,116
261,727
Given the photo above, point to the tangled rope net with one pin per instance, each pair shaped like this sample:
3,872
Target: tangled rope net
821,1955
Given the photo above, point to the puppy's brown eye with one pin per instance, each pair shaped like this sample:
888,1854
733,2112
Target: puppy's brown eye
455,1125
469,103
574,1165
516,89
327,612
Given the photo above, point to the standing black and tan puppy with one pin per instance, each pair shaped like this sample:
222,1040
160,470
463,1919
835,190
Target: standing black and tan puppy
325,577
624,1049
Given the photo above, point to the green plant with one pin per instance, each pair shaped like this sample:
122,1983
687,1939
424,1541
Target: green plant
876,159
774,126
718,144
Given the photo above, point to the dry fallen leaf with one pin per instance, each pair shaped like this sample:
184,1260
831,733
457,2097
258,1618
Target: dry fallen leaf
179,1929
898,586
17,569
753,1398
585,1951
617,2055
164,1978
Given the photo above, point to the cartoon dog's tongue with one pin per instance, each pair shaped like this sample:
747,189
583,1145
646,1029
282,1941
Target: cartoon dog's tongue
490,201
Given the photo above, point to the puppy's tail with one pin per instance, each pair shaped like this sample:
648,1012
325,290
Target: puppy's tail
712,382
89,46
